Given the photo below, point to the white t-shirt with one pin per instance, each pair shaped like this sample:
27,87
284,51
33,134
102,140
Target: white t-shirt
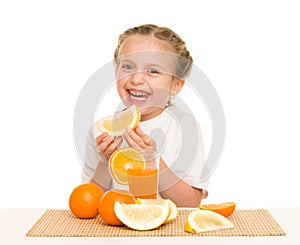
179,140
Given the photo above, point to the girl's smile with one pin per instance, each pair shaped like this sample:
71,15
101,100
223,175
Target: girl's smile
138,96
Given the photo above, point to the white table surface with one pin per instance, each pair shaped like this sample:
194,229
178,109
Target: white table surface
14,223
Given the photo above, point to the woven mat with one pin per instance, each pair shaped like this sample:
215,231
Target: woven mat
62,223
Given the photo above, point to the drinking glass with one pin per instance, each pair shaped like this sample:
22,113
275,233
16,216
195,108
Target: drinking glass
143,183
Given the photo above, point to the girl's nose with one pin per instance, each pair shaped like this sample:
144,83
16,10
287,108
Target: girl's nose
138,78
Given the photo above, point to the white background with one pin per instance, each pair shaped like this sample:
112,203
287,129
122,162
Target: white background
249,50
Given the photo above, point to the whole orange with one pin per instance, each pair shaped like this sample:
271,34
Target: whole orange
107,203
84,200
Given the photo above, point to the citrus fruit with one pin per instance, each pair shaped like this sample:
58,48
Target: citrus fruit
142,216
117,124
123,159
205,220
107,202
84,199
172,205
226,209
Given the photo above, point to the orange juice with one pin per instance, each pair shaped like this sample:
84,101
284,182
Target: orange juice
143,183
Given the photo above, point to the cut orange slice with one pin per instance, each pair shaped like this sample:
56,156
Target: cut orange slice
117,124
204,220
142,217
122,160
226,209
173,208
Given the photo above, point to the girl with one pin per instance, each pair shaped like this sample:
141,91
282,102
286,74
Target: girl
151,65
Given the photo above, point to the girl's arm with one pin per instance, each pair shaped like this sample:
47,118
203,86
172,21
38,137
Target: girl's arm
102,176
171,187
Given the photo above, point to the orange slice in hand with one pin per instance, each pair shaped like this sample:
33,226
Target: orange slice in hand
226,209
117,124
122,160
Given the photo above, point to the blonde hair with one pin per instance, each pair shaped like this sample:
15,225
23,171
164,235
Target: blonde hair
184,60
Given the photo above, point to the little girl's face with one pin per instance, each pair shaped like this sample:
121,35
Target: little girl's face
145,74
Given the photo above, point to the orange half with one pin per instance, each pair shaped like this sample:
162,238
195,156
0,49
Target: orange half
122,160
226,209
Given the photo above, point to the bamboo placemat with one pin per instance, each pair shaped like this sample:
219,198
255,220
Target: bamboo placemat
62,223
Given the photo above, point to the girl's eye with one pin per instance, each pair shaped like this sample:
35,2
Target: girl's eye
127,67
153,71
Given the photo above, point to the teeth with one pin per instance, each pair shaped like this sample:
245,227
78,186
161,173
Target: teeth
139,95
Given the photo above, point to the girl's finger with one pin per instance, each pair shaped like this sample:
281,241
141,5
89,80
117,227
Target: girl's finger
114,145
139,131
146,138
136,138
131,142
128,139
104,144
101,138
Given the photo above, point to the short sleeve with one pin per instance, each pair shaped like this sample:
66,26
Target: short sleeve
190,159
91,158
193,175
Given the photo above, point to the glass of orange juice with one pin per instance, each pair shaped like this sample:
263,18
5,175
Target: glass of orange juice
143,183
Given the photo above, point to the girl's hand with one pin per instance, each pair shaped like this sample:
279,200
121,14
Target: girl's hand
139,140
107,144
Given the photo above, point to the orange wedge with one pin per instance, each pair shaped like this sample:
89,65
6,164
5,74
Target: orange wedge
142,216
117,124
122,160
205,220
226,209
173,208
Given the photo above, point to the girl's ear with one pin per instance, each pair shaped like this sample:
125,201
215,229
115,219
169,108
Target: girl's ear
177,86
